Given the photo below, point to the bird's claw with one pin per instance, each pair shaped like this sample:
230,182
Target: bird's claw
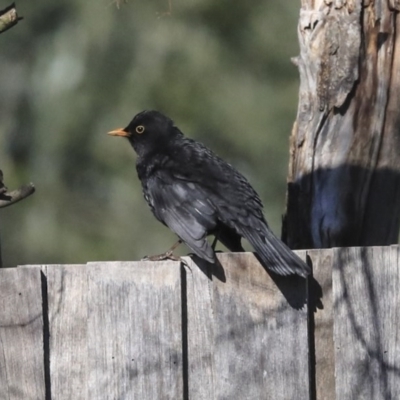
169,255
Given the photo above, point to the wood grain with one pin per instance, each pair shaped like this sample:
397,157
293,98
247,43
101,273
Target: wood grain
67,292
134,330
323,352
344,172
366,327
21,335
115,330
144,330
245,338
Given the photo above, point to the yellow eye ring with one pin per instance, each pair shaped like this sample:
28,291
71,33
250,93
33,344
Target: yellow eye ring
139,129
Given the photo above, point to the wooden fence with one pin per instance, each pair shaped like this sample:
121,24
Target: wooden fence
142,330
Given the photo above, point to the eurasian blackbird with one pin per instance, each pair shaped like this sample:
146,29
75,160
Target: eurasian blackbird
196,193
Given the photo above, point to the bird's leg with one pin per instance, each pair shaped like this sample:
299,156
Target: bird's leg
170,252
215,241
168,255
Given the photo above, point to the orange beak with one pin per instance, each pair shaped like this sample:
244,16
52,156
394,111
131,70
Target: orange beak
119,132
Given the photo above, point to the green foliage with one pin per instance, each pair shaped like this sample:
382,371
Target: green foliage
73,70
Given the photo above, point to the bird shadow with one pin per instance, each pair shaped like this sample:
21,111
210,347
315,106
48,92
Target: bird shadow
210,269
297,290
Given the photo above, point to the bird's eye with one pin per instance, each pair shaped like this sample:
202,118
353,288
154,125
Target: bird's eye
139,129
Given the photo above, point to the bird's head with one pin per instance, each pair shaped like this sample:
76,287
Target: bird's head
148,131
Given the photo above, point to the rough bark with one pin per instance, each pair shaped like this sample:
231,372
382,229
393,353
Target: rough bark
344,172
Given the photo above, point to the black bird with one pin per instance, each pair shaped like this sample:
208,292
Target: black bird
196,193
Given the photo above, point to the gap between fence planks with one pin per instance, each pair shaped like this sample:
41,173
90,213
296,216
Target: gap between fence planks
166,331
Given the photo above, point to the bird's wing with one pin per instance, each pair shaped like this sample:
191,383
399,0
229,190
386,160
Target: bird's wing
239,207
220,180
185,209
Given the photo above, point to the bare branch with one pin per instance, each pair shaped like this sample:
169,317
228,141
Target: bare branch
9,198
8,18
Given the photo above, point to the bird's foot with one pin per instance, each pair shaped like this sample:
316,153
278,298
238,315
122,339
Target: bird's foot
168,255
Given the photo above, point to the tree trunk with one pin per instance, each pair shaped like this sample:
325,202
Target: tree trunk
344,172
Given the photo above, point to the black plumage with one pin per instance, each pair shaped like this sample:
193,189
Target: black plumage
196,193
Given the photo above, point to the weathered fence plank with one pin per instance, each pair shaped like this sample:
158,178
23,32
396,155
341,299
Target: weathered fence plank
140,336
122,330
166,330
323,353
246,339
67,292
21,335
366,285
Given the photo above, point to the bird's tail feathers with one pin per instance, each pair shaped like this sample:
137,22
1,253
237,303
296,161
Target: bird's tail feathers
275,255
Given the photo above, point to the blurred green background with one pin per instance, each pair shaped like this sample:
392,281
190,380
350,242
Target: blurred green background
73,70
